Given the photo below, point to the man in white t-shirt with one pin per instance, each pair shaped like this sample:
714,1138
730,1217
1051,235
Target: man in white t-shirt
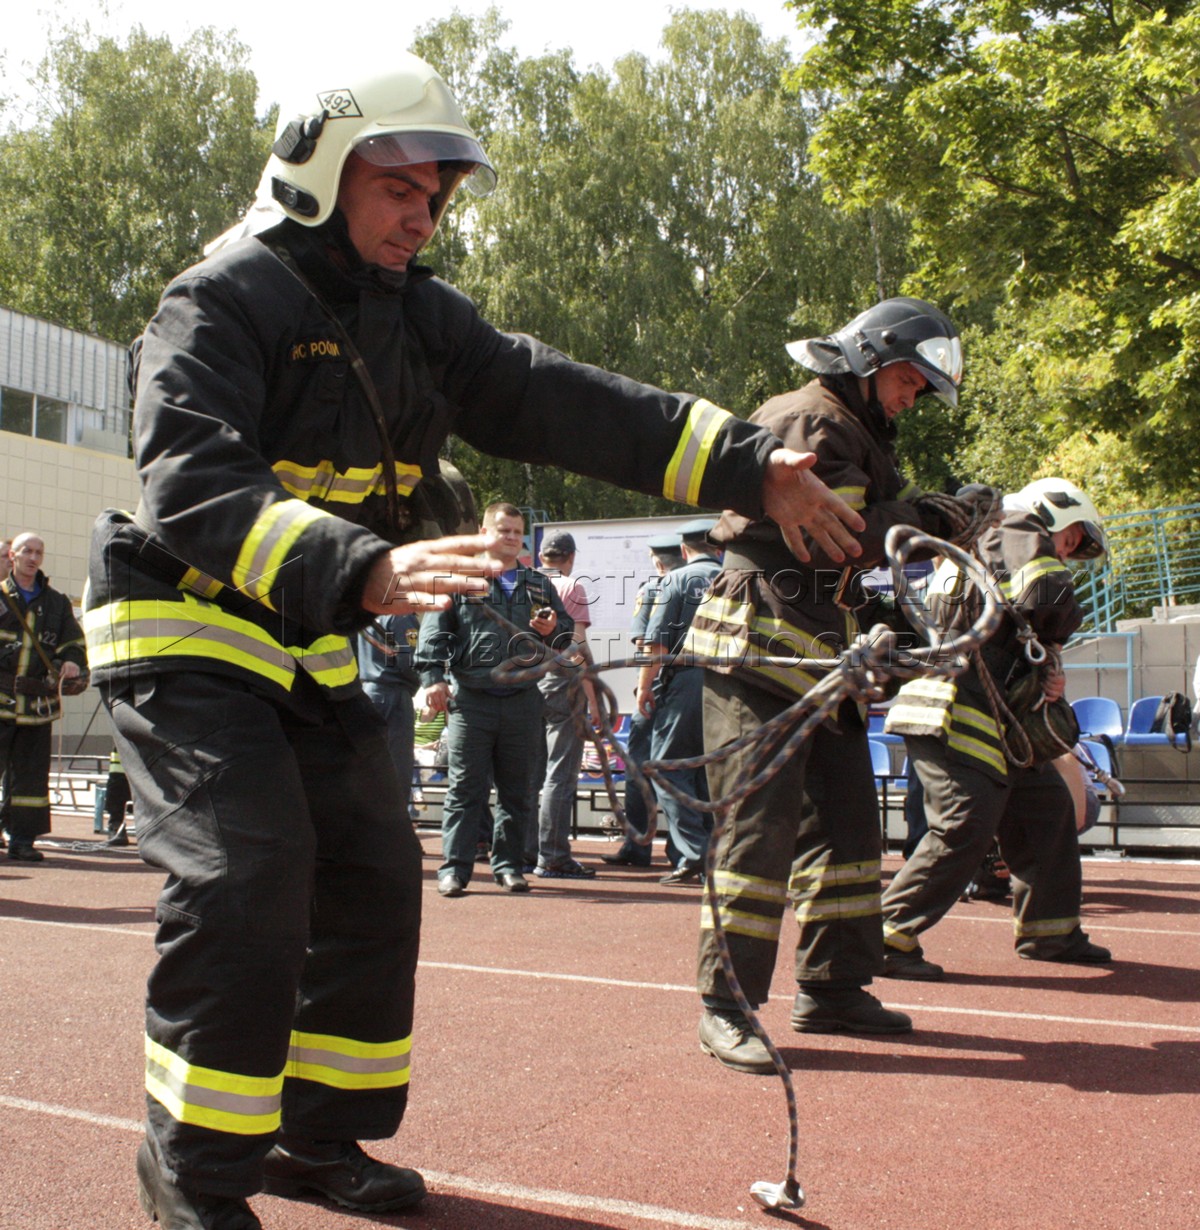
564,737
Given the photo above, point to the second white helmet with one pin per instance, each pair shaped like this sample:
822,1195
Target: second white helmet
1058,503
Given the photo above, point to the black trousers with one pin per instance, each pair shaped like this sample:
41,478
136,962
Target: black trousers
1034,817
810,838
25,757
287,928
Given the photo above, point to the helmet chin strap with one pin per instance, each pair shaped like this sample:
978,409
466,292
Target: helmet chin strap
880,421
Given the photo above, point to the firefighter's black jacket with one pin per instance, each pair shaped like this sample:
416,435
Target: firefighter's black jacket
262,489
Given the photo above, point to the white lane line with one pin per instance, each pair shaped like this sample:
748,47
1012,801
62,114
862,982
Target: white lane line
475,1187
1090,921
1042,1016
70,926
672,987
496,971
71,1112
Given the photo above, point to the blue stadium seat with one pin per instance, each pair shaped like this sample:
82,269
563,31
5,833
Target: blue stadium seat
1097,715
1141,716
875,720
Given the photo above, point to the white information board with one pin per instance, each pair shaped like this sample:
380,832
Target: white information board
612,558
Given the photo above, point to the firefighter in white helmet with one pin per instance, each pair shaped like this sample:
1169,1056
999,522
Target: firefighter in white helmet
976,787
292,394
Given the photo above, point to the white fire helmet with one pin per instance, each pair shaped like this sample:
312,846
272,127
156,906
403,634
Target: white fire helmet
396,117
1058,503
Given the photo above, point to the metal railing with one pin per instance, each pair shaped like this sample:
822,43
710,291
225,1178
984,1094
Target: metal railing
1153,561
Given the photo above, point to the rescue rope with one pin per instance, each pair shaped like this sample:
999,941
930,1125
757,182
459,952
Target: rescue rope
860,673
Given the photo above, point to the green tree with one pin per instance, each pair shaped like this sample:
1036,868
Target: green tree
135,155
657,220
1047,158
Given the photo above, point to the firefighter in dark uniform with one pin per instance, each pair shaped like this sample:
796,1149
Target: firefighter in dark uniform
41,652
670,695
664,554
293,391
811,835
957,749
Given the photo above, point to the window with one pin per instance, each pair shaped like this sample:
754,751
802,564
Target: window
51,419
16,411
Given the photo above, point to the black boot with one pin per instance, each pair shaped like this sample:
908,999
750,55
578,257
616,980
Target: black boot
342,1172
176,1209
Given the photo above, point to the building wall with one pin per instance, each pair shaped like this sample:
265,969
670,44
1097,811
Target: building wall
57,491
61,385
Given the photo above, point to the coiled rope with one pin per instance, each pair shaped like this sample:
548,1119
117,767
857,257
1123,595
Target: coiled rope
860,673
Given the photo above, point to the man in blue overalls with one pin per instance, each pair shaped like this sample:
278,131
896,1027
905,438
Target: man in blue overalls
673,696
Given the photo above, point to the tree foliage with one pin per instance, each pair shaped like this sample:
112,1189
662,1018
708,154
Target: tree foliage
657,220
136,154
1047,158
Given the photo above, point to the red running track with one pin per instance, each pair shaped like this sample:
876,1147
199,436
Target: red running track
558,1083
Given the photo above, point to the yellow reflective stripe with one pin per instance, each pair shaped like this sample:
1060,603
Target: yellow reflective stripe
856,497
908,491
736,649
1045,926
345,1063
772,628
201,583
325,482
895,938
816,880
1025,576
928,717
149,628
838,907
739,922
685,473
206,1097
753,888
722,647
965,715
939,690
330,660
268,545
977,749
29,800
720,609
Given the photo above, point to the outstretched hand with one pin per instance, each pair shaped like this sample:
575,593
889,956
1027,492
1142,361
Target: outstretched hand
798,501
424,576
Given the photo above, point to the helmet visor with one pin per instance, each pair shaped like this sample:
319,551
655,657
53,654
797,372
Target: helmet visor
1094,542
402,149
940,361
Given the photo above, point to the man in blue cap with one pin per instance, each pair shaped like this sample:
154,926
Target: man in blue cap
665,554
673,695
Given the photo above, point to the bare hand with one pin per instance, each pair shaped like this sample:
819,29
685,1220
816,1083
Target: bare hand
437,699
796,499
69,670
423,576
1054,684
544,625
